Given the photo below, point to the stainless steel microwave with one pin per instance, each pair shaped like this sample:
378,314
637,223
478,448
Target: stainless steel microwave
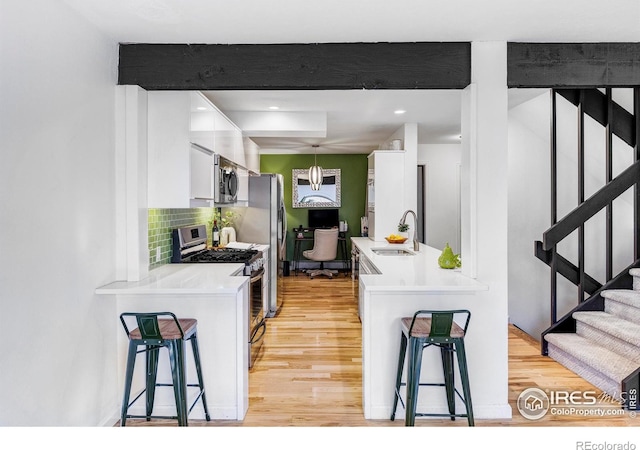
225,180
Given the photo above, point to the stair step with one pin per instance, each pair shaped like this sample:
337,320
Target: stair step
624,303
605,362
610,331
611,324
629,297
581,369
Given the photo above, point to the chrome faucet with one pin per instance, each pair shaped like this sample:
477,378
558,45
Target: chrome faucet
416,244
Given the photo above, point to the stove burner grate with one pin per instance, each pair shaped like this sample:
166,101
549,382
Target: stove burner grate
223,256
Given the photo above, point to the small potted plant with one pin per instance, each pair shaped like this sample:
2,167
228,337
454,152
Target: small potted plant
229,218
403,230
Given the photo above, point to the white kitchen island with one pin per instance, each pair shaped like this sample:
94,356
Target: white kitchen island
217,295
399,285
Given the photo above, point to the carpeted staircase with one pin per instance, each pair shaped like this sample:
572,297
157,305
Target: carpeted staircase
605,349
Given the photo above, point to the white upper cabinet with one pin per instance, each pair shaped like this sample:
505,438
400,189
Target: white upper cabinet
228,139
202,166
181,174
385,192
251,155
212,129
168,149
202,121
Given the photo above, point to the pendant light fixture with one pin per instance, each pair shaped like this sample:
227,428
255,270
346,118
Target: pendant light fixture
315,172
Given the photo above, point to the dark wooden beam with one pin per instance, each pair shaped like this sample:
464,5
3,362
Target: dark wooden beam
547,65
404,65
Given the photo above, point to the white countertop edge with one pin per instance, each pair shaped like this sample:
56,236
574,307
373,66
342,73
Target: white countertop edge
419,273
182,279
106,290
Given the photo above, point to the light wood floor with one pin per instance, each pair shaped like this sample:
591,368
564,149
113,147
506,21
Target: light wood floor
310,371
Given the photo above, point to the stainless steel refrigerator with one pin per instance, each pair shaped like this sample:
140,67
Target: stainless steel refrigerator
265,222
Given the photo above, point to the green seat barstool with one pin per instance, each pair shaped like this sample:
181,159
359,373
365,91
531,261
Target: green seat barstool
154,333
437,328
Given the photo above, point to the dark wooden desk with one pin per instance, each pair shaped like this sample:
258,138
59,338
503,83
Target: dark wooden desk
302,235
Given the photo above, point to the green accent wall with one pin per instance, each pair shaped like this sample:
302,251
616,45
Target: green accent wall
353,173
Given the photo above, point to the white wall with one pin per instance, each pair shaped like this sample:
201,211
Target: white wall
442,180
484,204
529,216
57,223
529,208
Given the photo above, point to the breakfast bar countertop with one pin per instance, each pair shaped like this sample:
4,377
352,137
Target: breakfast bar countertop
217,296
418,271
395,285
183,279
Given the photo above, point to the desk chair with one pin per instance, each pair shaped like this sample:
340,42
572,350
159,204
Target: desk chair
325,248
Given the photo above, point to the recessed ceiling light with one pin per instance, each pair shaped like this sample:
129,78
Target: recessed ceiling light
201,108
399,111
274,107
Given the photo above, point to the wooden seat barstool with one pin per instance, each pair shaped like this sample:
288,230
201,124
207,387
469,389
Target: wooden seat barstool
155,333
424,329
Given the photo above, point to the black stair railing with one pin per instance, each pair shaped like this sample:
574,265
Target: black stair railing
590,207
618,122
598,106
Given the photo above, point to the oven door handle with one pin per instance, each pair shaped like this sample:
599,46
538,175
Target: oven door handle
257,275
263,327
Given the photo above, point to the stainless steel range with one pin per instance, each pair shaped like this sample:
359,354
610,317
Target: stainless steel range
190,246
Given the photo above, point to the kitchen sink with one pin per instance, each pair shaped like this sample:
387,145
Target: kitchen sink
385,251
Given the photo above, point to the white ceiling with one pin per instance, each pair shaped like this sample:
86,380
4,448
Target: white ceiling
307,21
357,121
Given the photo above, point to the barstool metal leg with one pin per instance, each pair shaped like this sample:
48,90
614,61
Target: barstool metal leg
182,369
152,375
131,361
413,379
464,375
196,358
401,357
446,351
176,356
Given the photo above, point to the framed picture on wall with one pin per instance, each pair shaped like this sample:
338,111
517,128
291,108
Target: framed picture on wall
328,196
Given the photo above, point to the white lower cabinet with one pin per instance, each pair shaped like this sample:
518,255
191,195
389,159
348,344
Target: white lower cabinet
365,267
